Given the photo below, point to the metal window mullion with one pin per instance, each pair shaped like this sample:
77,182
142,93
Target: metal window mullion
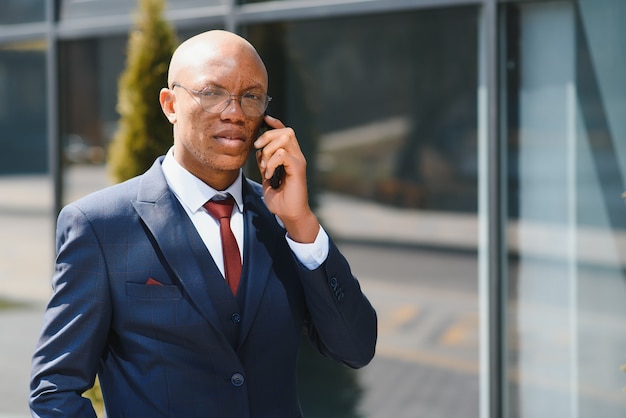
496,279
52,103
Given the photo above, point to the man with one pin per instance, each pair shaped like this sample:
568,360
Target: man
140,296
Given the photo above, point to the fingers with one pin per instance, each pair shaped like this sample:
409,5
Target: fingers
267,124
277,136
276,147
269,163
272,122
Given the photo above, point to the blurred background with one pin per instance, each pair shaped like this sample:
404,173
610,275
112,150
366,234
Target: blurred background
465,155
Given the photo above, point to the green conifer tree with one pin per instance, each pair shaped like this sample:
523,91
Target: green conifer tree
143,132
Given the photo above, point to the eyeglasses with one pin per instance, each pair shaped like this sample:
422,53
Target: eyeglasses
216,99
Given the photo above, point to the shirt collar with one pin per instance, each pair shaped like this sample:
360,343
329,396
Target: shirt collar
192,191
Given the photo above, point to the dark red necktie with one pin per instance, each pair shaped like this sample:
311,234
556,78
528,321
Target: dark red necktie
221,210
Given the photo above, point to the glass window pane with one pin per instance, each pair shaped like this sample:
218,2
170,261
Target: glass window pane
74,9
388,124
22,11
255,1
23,108
88,74
565,101
26,202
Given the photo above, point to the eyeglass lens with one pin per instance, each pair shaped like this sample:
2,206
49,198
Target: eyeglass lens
216,100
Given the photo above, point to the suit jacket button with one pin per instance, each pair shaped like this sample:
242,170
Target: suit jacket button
333,282
235,318
237,379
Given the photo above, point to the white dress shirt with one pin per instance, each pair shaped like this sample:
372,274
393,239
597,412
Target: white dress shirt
193,193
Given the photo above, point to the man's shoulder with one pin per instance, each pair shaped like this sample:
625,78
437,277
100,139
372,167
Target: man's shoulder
109,199
119,196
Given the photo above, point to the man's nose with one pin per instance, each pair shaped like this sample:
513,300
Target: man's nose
233,105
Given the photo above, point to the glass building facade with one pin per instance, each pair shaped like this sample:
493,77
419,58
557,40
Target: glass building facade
465,154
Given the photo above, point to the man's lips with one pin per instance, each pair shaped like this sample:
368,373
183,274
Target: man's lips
230,135
227,138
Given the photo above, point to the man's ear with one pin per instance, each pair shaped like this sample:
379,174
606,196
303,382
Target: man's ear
167,99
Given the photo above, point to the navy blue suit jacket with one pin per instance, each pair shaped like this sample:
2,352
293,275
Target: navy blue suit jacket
185,347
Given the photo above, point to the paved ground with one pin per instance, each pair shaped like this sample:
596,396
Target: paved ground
427,361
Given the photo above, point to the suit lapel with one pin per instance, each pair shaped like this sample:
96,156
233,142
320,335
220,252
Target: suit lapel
260,242
157,207
162,214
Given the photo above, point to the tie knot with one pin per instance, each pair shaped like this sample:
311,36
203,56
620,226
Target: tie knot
220,208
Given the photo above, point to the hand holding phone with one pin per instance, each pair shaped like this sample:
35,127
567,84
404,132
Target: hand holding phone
278,176
279,172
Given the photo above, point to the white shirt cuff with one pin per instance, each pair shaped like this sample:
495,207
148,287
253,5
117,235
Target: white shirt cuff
311,255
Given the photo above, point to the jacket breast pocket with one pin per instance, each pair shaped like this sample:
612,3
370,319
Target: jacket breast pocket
153,309
143,291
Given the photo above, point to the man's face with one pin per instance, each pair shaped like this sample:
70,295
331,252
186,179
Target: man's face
216,145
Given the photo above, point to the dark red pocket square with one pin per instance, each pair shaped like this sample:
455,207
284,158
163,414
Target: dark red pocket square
152,282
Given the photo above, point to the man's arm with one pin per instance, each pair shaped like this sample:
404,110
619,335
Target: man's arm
343,323
75,324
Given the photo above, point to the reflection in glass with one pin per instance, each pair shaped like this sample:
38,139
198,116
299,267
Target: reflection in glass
23,108
22,11
88,73
565,101
255,1
26,243
385,109
79,9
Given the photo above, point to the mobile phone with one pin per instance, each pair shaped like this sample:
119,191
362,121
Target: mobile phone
279,172
277,178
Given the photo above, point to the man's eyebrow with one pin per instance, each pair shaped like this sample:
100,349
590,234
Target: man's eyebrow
256,86
252,87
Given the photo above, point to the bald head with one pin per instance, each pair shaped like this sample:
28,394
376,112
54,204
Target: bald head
210,143
213,49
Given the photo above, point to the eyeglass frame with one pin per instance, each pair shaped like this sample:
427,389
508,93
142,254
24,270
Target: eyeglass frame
226,101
